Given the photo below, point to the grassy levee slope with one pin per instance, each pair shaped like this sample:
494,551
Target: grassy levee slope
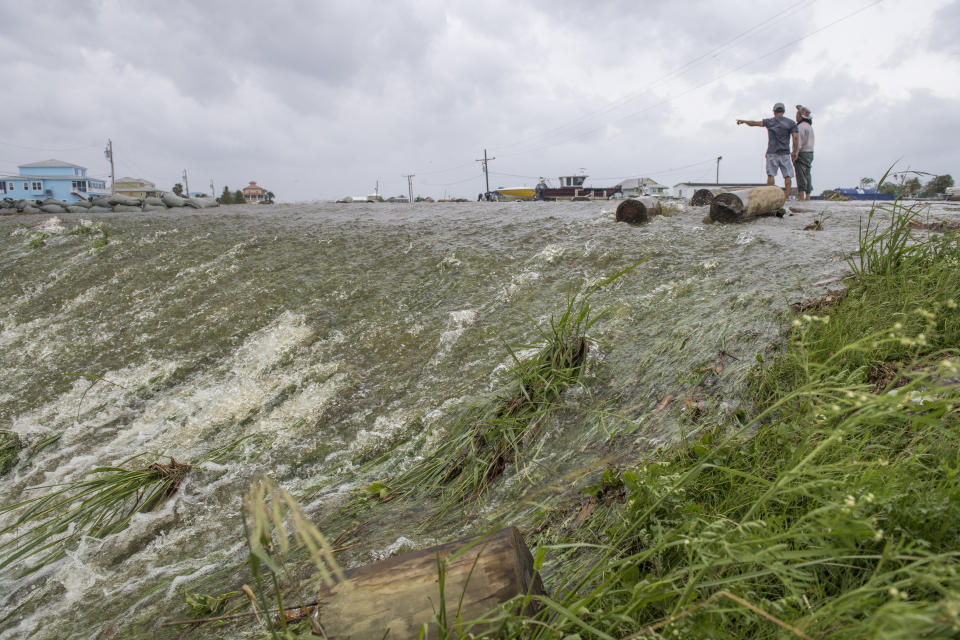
831,512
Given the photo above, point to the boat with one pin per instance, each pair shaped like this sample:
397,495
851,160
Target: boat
505,194
572,188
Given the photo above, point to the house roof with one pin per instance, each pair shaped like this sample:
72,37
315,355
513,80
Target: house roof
52,163
137,181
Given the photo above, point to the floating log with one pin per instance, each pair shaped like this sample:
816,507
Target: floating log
736,206
394,597
703,197
638,210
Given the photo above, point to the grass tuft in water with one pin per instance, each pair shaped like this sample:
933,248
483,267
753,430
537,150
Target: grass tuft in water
490,438
97,506
103,503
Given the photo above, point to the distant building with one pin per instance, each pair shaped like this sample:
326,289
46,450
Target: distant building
687,189
135,187
52,179
862,194
254,193
643,187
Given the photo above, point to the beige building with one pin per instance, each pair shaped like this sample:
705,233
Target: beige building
135,187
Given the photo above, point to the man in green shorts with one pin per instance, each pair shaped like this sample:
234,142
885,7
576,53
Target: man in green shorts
780,131
804,160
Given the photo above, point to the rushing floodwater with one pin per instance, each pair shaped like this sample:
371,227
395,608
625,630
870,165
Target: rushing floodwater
341,332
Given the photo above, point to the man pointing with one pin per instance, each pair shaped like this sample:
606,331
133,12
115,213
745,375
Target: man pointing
780,131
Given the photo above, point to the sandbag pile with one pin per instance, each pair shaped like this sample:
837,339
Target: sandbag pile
116,202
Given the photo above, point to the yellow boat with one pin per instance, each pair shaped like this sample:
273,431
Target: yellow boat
514,193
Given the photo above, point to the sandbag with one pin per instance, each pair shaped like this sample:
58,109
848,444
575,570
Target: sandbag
96,209
7,210
126,208
119,199
79,203
202,203
76,209
30,209
52,208
173,200
155,207
153,200
101,202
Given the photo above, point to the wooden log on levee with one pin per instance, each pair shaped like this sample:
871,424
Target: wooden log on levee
703,197
737,206
638,210
394,597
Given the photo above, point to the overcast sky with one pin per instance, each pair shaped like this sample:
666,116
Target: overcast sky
319,100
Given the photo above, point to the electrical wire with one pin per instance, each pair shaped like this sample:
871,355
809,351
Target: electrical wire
780,15
669,99
20,146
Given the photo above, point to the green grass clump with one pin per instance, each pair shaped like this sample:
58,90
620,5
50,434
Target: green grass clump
834,512
10,446
490,438
103,503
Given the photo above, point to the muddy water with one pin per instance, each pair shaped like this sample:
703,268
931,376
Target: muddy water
339,333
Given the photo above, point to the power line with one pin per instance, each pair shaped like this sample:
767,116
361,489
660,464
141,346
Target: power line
20,146
702,85
636,94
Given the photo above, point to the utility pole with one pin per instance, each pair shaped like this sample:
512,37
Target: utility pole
108,153
486,171
719,158
212,192
186,185
409,178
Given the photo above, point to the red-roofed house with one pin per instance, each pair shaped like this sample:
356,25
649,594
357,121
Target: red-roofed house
254,193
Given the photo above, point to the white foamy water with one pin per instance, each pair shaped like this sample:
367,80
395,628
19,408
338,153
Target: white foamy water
343,342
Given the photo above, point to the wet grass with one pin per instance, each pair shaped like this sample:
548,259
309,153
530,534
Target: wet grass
829,512
54,520
490,439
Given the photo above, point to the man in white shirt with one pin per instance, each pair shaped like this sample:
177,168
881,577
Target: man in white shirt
804,159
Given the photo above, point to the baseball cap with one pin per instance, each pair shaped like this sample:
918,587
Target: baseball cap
803,111
779,107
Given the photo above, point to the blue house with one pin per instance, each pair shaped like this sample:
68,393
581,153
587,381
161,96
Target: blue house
52,179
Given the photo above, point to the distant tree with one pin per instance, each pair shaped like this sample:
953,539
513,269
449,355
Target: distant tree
889,189
867,183
238,197
226,197
937,185
178,189
912,187
270,197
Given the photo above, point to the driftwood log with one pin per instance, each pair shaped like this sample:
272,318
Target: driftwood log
638,210
703,197
398,595
736,206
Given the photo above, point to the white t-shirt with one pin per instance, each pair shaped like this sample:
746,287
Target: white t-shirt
805,131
